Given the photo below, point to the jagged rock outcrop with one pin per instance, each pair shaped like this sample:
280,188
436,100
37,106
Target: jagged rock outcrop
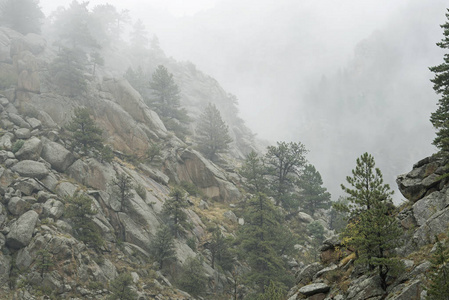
425,215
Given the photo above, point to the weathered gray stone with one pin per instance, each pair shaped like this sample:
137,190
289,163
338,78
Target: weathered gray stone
30,150
437,224
59,157
6,141
365,288
18,206
314,288
230,215
34,123
16,119
31,42
5,267
305,218
409,291
66,189
22,133
428,206
21,230
31,168
307,273
53,208
27,186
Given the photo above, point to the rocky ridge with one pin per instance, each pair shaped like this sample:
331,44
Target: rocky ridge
424,215
38,170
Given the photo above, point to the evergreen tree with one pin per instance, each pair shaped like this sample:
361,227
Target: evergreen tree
139,37
163,247
193,279
440,118
73,27
44,261
79,210
67,71
165,100
337,217
96,60
219,248
173,208
165,93
273,292
316,232
373,232
254,172
122,186
86,135
120,288
439,277
285,162
212,132
24,16
258,240
313,195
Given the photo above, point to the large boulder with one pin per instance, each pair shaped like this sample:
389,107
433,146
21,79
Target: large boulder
31,42
31,168
314,288
435,225
22,230
59,157
31,149
429,205
306,275
365,288
194,168
423,179
91,173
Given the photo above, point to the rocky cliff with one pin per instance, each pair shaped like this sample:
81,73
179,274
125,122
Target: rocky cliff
39,170
423,216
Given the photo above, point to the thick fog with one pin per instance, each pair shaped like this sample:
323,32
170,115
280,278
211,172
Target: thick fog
342,77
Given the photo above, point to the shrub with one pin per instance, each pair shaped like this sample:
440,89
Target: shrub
17,145
141,191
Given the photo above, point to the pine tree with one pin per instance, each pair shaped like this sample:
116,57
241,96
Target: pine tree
163,247
24,16
173,208
86,135
67,70
254,172
122,185
272,292
73,27
79,210
193,279
212,132
219,248
372,231
285,162
258,240
165,100
44,261
313,195
120,288
439,277
440,118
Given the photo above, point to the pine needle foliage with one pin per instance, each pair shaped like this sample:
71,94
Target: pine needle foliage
313,195
372,230
212,133
285,163
85,133
120,288
163,246
173,209
79,210
24,16
440,118
439,278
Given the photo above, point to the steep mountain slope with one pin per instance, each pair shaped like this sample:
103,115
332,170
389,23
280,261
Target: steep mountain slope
424,220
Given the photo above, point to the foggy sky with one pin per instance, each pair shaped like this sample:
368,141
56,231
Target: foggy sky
273,54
